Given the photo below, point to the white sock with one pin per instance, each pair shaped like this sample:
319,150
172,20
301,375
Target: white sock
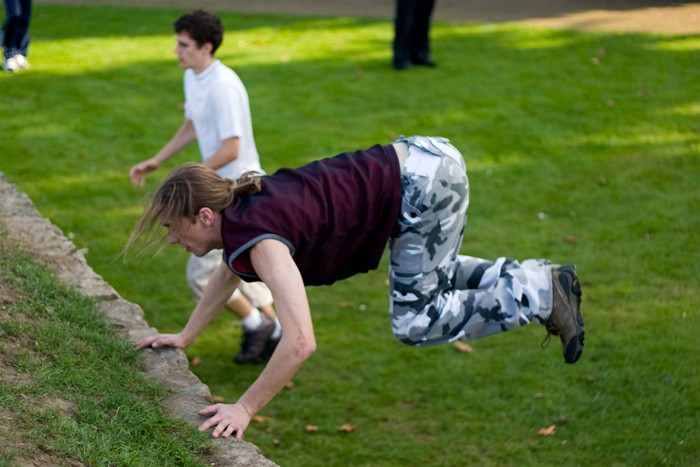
252,321
277,333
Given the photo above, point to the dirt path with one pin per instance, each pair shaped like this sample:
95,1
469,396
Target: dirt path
666,17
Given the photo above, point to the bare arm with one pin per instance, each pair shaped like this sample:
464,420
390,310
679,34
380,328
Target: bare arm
218,290
184,136
275,266
227,152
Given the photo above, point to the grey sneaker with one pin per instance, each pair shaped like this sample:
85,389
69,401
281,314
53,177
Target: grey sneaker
566,320
255,347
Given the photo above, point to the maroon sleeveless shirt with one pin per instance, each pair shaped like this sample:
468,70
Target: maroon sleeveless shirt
335,215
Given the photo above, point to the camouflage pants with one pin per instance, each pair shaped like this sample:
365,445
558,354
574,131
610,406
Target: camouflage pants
437,295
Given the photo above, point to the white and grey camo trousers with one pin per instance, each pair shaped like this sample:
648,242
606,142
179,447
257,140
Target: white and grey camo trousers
437,295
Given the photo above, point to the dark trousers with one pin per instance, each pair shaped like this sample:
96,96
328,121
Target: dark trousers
411,30
15,29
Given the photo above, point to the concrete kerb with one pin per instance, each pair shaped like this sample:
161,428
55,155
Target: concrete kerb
186,393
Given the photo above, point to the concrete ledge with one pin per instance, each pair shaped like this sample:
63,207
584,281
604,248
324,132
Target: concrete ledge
186,393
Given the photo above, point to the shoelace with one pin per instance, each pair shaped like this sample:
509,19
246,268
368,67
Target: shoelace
551,331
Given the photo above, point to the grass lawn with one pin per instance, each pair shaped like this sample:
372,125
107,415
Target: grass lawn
70,391
581,147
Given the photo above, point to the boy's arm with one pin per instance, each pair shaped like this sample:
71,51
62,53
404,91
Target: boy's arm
184,136
227,152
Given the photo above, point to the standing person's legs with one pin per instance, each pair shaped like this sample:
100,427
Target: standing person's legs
420,33
437,295
16,28
403,20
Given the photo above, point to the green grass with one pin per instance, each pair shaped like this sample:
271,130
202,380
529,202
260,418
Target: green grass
70,390
581,147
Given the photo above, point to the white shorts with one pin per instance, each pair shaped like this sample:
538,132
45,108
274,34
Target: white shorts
200,269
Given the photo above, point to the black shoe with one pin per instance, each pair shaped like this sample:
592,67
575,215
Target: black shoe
426,63
566,320
401,66
255,343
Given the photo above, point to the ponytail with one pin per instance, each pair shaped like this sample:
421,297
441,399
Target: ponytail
249,183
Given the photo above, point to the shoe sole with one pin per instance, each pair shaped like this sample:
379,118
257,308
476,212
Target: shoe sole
568,280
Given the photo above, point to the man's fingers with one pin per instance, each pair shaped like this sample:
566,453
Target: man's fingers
146,342
209,410
219,430
155,341
215,420
224,421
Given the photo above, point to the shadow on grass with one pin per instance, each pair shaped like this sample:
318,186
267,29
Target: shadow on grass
547,91
116,21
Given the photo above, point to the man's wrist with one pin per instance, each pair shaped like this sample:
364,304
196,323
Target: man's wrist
186,338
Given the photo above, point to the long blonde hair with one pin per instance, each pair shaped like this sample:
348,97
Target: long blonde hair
184,193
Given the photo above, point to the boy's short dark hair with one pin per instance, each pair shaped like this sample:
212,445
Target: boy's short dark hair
202,27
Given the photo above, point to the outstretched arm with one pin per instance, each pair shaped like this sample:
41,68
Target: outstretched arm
221,285
274,264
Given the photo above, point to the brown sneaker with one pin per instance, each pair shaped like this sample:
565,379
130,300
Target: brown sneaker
566,320
255,347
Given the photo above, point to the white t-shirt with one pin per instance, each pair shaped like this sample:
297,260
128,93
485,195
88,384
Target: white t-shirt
216,102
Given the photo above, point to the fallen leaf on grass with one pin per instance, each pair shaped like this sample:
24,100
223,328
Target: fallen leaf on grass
310,428
463,347
196,361
348,427
217,399
260,419
549,431
289,385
